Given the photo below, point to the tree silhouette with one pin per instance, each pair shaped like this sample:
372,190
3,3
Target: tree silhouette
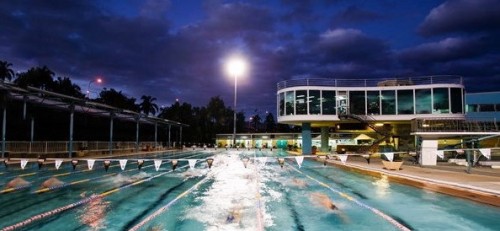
270,123
117,99
147,106
39,77
256,121
66,87
217,114
5,71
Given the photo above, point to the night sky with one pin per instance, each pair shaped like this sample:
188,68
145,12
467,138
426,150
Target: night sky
176,49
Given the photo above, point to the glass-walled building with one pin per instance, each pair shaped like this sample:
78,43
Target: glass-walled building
385,107
483,106
385,100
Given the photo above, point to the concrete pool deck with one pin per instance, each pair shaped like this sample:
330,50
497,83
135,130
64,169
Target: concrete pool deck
482,185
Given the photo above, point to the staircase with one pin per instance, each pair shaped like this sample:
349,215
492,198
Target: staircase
384,132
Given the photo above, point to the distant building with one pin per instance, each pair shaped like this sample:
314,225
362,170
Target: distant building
420,115
484,106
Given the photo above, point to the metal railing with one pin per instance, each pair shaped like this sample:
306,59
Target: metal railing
51,147
420,80
452,125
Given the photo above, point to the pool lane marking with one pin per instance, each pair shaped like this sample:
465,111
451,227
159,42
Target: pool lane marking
374,210
81,202
84,180
55,187
78,203
167,206
45,177
258,195
68,184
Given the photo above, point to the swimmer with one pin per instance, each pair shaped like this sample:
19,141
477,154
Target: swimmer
94,213
52,182
234,216
155,228
17,182
322,200
299,183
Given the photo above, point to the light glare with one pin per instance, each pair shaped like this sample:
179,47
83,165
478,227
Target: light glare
236,67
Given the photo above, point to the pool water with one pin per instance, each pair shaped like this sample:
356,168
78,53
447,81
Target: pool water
262,196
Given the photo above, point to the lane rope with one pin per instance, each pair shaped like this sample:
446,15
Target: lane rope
81,202
363,205
167,206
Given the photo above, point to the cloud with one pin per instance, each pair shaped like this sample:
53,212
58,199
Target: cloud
351,45
462,16
235,19
137,50
354,14
155,8
445,50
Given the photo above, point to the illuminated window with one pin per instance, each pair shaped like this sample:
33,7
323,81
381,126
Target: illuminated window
281,100
456,100
314,102
388,102
290,96
328,102
423,101
357,102
373,102
300,102
441,101
405,102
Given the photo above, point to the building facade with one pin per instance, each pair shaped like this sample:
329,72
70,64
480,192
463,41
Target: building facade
484,106
386,106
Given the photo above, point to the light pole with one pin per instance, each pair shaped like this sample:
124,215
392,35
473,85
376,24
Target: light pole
235,67
98,80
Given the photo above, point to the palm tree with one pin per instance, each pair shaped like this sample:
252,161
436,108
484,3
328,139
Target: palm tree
117,99
147,105
66,87
5,71
256,121
39,77
270,123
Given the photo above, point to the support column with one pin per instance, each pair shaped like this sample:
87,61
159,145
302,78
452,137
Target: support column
306,139
325,135
137,134
180,136
156,134
32,135
71,118
4,123
110,144
169,143
25,99
429,148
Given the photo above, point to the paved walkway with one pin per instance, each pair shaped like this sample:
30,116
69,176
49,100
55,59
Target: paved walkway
483,184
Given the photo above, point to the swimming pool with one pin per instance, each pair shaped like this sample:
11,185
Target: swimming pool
229,196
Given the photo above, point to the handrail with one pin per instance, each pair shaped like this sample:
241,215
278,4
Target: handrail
452,125
372,82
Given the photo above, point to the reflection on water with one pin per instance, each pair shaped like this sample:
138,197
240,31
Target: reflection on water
51,182
322,200
16,183
382,186
94,213
231,201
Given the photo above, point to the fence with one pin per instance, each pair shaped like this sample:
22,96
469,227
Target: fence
453,125
421,80
61,147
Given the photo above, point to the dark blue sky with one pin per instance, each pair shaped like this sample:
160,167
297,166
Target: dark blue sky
176,49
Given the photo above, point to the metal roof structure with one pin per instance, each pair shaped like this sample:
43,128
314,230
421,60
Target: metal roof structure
64,102
72,104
